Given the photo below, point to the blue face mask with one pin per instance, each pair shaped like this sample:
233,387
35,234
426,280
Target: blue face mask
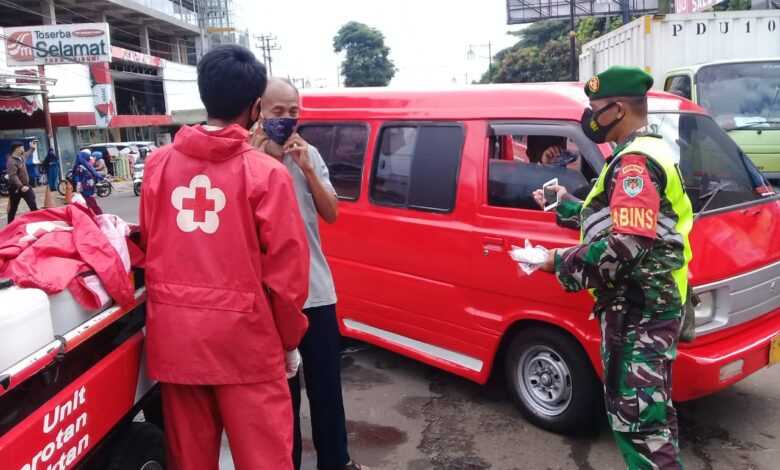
279,129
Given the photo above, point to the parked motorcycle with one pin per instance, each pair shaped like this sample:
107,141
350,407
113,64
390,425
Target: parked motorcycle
138,171
138,176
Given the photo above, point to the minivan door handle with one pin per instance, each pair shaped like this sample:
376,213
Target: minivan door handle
493,244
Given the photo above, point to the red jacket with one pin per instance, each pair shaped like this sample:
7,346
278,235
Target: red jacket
227,261
54,249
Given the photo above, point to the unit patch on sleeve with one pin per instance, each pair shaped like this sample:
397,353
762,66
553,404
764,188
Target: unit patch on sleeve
635,202
632,185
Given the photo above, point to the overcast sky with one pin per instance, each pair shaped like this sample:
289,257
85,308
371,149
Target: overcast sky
428,39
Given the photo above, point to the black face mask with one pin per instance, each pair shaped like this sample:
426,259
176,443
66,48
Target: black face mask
591,127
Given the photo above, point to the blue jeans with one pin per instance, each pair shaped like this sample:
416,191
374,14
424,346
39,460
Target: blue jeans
321,353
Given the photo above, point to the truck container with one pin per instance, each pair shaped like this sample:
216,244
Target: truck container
726,62
659,44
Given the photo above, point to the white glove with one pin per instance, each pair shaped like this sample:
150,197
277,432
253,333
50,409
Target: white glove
530,257
292,361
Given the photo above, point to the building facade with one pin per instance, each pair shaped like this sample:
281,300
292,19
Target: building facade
154,47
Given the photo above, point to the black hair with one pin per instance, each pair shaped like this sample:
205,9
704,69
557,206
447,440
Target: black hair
537,144
16,144
230,80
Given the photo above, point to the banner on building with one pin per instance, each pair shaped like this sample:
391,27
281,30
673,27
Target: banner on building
102,94
694,6
57,44
136,57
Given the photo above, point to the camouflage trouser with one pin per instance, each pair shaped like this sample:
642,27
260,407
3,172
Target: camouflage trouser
640,411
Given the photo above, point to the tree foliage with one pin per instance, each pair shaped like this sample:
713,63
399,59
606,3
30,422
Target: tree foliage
542,52
542,32
733,5
366,62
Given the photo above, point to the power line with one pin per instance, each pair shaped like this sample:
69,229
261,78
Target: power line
266,47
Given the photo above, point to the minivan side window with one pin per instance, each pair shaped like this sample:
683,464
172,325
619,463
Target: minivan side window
520,163
343,147
416,166
679,85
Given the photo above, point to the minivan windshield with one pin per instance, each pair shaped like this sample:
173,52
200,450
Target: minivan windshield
741,95
712,165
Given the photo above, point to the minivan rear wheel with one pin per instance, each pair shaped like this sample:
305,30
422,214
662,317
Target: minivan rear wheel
552,381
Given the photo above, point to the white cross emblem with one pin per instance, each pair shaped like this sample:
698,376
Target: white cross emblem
198,205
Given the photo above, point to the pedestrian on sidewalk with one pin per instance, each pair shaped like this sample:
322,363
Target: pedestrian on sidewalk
52,164
32,169
321,346
84,179
227,271
20,180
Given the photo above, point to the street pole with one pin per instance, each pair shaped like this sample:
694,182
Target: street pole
572,44
490,62
46,108
624,6
49,17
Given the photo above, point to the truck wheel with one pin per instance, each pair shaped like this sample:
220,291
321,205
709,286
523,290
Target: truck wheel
552,381
140,447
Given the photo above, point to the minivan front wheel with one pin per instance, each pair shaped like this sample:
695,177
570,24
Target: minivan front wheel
552,381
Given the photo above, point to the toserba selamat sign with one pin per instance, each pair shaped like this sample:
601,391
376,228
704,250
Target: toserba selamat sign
57,44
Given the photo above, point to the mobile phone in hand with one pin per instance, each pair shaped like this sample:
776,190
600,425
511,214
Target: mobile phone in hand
550,194
564,159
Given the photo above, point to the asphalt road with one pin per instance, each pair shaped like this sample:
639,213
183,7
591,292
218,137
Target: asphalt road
407,416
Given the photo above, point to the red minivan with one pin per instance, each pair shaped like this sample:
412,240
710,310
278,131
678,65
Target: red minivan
436,186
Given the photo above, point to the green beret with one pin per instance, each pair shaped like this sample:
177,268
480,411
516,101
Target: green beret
619,81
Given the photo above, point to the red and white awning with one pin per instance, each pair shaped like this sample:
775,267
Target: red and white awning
26,104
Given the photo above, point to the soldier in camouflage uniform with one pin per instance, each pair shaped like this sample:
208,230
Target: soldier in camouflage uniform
633,256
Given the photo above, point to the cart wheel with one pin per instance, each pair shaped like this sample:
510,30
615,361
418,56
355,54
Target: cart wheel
140,447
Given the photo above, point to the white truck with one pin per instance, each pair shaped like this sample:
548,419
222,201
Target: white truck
727,62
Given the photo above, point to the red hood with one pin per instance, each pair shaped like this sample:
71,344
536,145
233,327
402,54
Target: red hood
735,242
221,145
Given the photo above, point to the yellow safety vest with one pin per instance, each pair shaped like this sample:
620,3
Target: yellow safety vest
659,152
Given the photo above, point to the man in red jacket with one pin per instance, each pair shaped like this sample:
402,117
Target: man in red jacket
227,274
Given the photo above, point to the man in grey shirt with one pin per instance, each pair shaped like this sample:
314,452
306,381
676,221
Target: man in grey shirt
320,348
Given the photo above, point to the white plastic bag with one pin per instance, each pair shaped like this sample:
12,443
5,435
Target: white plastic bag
529,258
